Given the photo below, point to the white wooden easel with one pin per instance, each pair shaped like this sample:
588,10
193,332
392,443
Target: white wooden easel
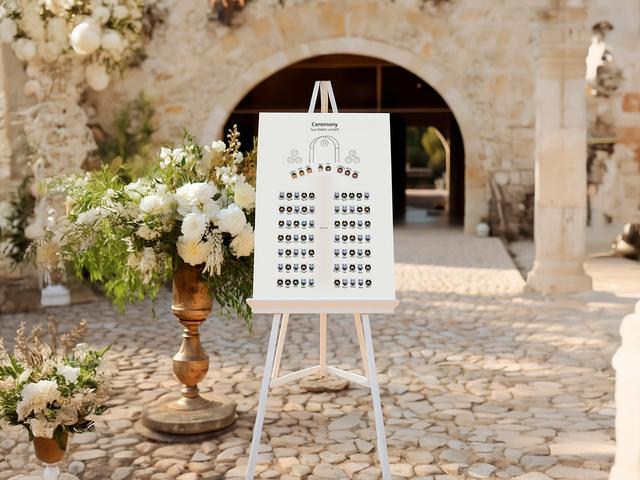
323,308
274,355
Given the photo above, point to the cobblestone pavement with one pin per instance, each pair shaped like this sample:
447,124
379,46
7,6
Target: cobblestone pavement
478,381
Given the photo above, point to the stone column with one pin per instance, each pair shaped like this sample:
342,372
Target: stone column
560,152
626,362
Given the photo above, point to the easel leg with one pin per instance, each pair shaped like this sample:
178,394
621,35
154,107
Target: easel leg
375,398
363,351
264,394
281,337
323,344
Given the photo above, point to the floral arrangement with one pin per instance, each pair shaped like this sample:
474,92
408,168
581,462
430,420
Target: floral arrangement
51,387
194,206
102,34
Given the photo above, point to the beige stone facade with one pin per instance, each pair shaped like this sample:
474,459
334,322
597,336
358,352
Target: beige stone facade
480,56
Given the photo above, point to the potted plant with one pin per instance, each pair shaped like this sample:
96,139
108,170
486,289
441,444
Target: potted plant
189,220
51,388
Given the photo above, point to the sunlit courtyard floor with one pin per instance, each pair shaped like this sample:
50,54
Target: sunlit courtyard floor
478,381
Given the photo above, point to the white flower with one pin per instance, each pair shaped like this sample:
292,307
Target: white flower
145,262
195,196
24,49
244,195
242,244
100,14
36,396
193,226
120,12
69,373
137,189
112,41
42,428
85,38
218,146
193,253
88,217
32,88
231,219
153,204
238,157
146,233
8,30
97,77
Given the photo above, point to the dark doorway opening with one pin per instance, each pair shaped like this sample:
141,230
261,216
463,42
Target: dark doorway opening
426,143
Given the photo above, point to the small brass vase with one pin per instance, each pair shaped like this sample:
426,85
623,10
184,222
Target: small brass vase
49,452
189,413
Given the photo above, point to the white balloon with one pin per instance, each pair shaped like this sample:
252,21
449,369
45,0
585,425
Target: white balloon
24,49
85,38
8,30
97,77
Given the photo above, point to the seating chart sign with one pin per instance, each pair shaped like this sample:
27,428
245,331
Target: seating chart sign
324,226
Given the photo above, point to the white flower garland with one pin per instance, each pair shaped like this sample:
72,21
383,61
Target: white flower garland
67,45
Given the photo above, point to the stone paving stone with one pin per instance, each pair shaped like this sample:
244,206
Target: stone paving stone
478,380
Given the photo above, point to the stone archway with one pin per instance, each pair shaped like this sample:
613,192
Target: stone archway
475,175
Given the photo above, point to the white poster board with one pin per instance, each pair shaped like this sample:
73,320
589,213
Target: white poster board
324,223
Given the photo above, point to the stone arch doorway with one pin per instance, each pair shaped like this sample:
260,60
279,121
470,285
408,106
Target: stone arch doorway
427,146
475,173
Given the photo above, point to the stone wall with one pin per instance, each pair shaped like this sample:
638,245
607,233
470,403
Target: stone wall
476,53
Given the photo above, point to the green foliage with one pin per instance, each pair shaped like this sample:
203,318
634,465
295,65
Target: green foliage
15,244
128,150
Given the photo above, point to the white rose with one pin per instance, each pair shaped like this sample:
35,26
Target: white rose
120,12
85,38
69,373
193,253
153,204
32,88
24,49
8,30
49,52
195,196
101,14
242,244
112,41
97,77
231,219
194,226
244,195
35,397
